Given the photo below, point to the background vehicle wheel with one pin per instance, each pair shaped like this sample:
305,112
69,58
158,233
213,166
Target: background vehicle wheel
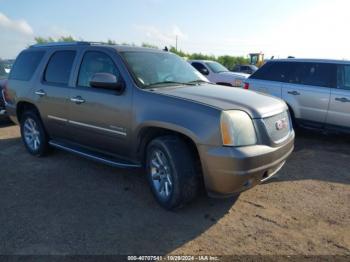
171,172
33,134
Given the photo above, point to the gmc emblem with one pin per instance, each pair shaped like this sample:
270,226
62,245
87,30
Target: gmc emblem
281,124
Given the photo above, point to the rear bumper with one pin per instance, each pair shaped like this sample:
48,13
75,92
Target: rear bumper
229,170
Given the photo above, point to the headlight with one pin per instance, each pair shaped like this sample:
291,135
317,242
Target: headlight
237,129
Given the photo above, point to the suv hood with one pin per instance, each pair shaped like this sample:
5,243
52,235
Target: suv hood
228,98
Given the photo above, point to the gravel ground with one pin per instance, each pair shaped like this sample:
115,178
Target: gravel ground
63,204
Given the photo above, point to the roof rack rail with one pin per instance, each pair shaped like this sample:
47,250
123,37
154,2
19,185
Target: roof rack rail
66,44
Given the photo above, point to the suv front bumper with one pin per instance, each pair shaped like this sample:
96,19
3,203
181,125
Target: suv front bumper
230,170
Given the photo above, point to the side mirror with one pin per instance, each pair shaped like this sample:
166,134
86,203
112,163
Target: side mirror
107,81
204,71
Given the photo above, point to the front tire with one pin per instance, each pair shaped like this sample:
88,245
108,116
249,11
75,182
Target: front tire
171,172
33,134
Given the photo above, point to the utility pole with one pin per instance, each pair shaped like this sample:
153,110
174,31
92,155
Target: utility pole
176,43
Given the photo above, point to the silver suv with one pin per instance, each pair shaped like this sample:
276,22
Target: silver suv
135,107
316,91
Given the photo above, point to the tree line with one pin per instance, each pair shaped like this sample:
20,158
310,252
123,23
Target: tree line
228,61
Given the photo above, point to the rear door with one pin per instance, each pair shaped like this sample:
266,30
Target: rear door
308,89
52,91
100,118
339,106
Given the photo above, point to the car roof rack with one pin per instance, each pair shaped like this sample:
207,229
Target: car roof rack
67,44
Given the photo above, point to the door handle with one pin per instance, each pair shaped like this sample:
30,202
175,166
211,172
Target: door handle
343,99
40,92
294,93
78,100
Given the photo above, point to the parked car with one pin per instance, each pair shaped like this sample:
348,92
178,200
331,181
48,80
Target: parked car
218,74
3,76
3,70
136,107
2,101
316,91
8,65
247,69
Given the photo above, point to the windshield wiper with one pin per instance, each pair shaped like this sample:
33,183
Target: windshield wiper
198,81
167,82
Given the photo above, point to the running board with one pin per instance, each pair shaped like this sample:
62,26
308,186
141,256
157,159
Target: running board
95,156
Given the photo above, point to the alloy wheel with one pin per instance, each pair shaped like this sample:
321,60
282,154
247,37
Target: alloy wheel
161,174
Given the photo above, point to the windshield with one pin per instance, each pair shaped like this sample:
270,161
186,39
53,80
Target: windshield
152,69
216,67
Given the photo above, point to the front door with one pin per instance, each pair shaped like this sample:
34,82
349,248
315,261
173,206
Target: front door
100,118
339,106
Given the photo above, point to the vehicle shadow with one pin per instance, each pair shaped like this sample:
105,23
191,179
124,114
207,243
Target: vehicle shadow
5,122
64,204
318,156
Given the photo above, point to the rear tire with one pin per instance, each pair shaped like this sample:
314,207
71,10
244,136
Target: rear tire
33,134
171,172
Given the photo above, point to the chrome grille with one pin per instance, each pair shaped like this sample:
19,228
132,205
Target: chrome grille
278,126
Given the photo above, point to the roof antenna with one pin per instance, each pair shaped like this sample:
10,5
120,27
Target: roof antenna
166,49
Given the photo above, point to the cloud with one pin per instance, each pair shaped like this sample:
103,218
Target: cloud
316,32
20,26
162,37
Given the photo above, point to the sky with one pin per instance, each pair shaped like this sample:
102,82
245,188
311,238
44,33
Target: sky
300,28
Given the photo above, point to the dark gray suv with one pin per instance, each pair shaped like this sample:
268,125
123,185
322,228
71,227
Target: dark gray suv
135,107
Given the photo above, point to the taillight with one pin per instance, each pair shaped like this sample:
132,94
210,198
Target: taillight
246,86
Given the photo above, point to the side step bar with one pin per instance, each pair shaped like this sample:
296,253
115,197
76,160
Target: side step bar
95,156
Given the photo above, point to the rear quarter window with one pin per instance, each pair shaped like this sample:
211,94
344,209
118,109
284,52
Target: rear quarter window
25,65
274,71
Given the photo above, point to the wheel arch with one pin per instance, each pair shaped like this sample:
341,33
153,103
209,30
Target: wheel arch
148,133
23,106
223,84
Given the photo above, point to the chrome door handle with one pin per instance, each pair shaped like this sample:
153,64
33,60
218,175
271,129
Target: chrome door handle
40,92
78,100
343,99
294,93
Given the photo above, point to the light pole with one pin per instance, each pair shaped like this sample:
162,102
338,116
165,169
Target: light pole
176,43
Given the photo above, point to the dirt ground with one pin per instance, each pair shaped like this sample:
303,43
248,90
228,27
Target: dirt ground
64,204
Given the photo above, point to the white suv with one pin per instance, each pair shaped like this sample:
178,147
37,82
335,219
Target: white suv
218,74
316,91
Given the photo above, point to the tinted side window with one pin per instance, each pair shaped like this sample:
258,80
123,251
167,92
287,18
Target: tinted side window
95,62
344,77
274,71
59,67
198,66
314,74
25,65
